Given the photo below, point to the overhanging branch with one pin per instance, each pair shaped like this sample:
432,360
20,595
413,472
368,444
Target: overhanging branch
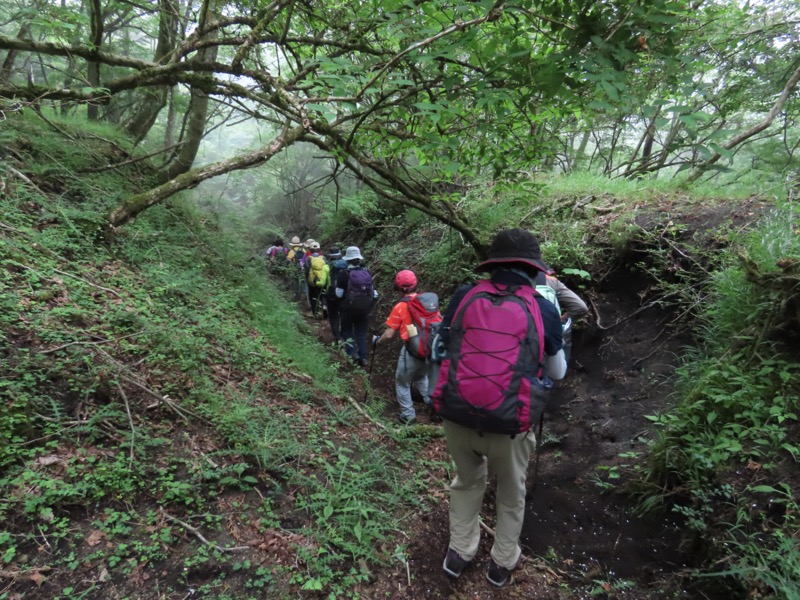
791,84
133,206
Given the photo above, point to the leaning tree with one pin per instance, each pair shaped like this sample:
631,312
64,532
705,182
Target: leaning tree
417,98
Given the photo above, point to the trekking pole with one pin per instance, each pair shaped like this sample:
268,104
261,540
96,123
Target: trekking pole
369,371
532,485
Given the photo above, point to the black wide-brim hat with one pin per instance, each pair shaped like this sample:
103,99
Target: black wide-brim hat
514,246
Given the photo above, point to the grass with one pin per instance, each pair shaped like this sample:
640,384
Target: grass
728,442
156,385
159,376
632,191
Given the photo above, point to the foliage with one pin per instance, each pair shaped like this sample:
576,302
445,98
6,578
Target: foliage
421,103
736,416
159,375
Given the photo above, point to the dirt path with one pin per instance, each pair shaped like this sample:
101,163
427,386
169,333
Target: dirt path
580,538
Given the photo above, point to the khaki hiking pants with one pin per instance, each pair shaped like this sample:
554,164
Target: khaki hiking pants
508,459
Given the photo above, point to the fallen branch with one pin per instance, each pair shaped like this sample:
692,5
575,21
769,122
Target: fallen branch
164,400
644,358
633,314
99,287
606,209
129,161
88,343
122,371
9,228
788,89
130,422
360,409
486,528
51,124
25,178
199,535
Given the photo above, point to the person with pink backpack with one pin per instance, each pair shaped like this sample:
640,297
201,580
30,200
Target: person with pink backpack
500,337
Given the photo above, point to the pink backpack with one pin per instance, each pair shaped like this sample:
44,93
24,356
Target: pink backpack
494,359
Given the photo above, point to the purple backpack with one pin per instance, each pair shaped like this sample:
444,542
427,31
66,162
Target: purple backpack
495,357
359,296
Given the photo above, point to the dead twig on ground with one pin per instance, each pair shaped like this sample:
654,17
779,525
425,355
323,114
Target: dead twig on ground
486,528
200,536
657,348
633,314
9,228
130,422
55,127
88,343
123,373
21,176
364,413
181,412
99,287
70,275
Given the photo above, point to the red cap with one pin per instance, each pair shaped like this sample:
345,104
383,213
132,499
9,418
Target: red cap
406,280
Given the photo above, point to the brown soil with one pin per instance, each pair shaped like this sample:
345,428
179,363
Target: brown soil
581,536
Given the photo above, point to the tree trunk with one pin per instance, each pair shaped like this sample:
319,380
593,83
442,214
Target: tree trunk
615,134
407,192
198,110
169,127
579,154
93,68
8,64
645,145
145,115
133,206
647,151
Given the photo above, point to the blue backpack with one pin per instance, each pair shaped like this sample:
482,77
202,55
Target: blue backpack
337,266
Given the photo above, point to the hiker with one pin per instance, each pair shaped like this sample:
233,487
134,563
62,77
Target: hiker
415,317
266,252
296,256
317,276
276,249
337,265
569,305
294,245
489,392
357,293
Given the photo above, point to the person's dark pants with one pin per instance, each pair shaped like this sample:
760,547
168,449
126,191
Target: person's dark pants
335,318
354,332
314,294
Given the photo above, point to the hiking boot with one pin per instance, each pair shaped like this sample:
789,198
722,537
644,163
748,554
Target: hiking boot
407,421
453,564
498,576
